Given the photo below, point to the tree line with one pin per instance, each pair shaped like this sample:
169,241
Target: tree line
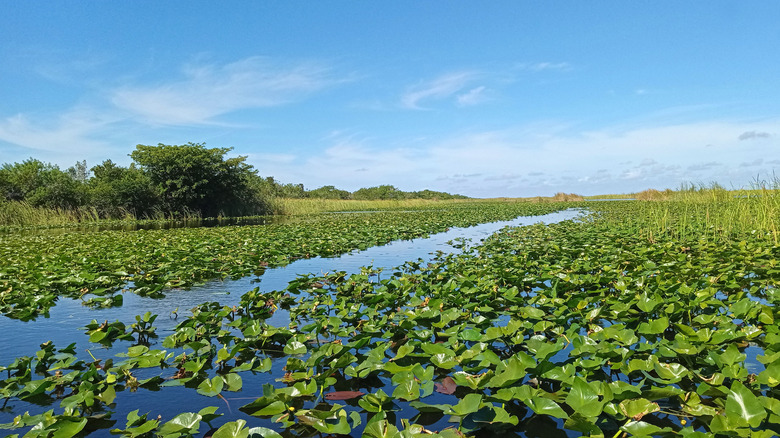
169,179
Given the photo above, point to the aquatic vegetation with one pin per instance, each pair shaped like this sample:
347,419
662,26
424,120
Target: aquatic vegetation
36,269
604,326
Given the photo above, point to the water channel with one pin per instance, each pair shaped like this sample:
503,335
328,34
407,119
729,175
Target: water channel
63,326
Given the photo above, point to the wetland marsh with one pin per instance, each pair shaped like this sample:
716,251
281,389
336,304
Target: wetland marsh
637,319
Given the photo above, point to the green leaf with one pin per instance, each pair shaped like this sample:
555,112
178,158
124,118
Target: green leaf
743,407
295,347
654,327
108,395
638,407
583,424
67,428
545,406
771,375
262,432
183,423
408,390
211,387
233,429
583,399
232,382
640,428
469,404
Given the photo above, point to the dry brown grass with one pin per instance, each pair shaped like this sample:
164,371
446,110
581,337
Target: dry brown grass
567,197
654,195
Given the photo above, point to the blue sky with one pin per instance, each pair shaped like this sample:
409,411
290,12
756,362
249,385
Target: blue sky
486,99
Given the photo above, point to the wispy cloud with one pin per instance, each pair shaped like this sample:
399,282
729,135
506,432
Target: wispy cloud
542,66
752,135
442,87
208,90
74,131
527,160
754,163
474,96
701,167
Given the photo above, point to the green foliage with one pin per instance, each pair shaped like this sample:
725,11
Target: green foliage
116,191
41,185
195,178
379,192
329,192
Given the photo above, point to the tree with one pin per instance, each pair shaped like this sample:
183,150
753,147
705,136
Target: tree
291,191
116,190
79,171
41,185
379,192
195,178
328,192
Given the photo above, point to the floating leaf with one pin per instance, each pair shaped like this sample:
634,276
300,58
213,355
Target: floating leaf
447,386
583,399
343,395
743,407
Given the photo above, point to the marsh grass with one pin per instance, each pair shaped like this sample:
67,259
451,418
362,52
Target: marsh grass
19,214
22,214
711,212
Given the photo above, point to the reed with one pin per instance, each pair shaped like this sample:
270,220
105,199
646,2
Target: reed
22,214
709,212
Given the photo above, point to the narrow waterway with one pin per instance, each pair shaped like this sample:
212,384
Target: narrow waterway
66,319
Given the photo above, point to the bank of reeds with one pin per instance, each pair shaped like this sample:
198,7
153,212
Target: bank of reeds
19,214
567,197
710,212
22,214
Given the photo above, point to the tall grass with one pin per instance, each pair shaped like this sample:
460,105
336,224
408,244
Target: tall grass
711,212
22,214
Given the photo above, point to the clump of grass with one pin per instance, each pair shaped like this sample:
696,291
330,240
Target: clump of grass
567,197
653,195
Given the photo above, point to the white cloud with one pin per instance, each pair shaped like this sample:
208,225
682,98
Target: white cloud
701,167
207,90
440,88
542,66
474,96
73,132
540,159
